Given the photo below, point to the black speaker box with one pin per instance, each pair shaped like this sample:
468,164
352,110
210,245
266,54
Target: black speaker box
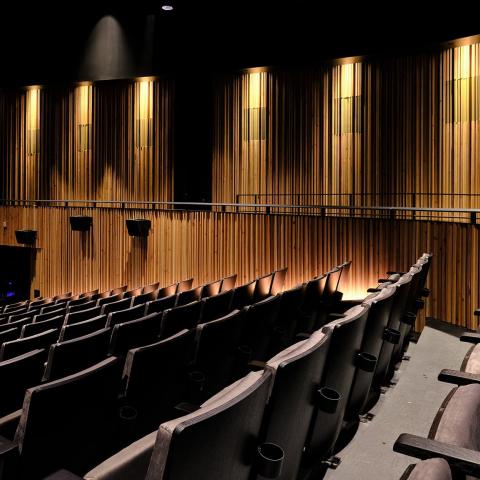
138,227
81,223
27,237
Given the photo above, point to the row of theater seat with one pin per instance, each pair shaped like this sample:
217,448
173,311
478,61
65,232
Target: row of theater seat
452,449
326,359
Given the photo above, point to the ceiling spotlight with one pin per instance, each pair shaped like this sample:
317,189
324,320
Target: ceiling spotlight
167,7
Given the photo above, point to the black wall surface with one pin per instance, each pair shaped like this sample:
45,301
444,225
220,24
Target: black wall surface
15,273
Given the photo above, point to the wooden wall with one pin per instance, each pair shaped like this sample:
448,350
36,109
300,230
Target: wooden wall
209,245
381,126
109,141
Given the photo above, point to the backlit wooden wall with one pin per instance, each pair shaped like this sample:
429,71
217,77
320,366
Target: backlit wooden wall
209,245
106,141
398,125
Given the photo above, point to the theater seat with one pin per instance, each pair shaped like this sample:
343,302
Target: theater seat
39,327
82,316
431,469
117,306
218,355
216,306
23,345
179,318
220,440
228,283
125,315
160,305
16,375
297,372
339,372
454,434
135,333
75,330
71,356
156,378
65,423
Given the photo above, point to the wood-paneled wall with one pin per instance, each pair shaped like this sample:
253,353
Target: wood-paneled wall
106,141
382,126
209,245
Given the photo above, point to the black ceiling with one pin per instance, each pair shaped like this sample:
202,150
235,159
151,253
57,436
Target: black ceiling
45,43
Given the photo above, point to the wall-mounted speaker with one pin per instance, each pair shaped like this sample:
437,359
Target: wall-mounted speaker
81,223
27,237
138,227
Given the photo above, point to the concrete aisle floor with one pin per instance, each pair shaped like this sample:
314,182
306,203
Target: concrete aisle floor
409,407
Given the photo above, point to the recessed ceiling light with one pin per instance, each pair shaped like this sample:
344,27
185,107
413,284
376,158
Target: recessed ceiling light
167,7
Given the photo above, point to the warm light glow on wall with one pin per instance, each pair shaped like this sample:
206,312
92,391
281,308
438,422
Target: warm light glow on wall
254,90
144,113
83,104
461,67
33,120
347,80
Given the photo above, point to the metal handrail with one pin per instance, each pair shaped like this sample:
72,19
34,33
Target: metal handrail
268,207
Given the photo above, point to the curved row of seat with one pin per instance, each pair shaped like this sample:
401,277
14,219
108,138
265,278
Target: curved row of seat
313,371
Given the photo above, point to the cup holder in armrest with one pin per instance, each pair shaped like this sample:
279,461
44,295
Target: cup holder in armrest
269,460
328,399
366,361
127,412
391,336
408,318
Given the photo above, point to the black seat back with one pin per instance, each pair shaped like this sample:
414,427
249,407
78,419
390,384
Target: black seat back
125,315
47,316
82,306
20,316
339,371
243,295
39,327
189,296
180,318
78,301
23,345
218,354
220,439
135,333
110,299
80,329
380,306
287,324
145,297
10,334
18,374
83,315
157,380
160,305
71,415
263,285
290,408
216,306
312,306
71,356
117,306
260,320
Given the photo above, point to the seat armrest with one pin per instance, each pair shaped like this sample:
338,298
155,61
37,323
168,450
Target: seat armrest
470,337
374,290
383,280
391,272
463,459
457,377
